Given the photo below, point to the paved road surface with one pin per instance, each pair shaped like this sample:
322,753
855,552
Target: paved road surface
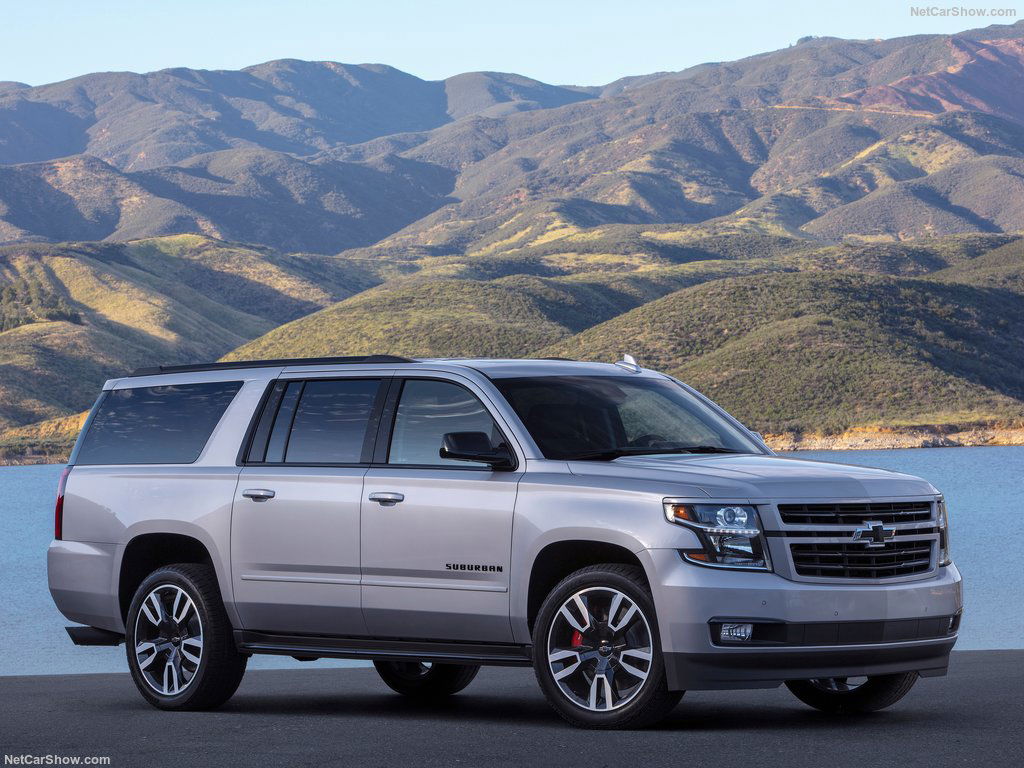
346,717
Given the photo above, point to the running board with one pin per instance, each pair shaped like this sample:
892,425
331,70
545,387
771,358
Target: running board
321,646
94,636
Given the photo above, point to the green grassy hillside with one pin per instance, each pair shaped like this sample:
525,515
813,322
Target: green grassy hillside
507,316
806,337
76,314
799,351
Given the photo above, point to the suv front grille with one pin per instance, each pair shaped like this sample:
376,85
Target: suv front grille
856,514
855,561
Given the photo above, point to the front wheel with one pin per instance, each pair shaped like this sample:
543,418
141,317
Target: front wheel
850,695
597,655
181,651
423,680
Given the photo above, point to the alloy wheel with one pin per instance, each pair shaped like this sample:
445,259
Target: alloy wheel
168,640
838,684
600,649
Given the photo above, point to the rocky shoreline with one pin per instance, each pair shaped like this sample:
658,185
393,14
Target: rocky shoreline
884,438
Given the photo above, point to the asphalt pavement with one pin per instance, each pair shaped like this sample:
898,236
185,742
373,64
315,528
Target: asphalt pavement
347,717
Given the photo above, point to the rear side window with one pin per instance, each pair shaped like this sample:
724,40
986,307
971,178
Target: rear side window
331,422
325,421
155,425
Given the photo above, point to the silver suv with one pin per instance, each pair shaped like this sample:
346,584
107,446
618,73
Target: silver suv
604,523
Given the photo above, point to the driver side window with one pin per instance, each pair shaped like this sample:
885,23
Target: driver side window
427,409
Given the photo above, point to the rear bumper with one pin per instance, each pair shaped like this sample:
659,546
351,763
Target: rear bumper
83,583
831,629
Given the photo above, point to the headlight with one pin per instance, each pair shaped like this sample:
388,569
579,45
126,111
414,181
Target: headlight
943,520
730,534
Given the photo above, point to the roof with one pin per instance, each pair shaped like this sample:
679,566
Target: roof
493,368
156,370
510,368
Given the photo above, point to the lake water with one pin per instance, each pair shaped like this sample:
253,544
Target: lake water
983,487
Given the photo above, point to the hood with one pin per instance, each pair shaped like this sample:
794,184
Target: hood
751,476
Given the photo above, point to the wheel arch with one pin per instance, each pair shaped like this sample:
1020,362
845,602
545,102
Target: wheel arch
556,559
147,551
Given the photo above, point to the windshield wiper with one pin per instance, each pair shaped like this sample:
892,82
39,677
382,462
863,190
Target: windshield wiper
709,449
618,453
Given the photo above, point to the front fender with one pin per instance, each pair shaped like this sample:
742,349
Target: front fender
559,508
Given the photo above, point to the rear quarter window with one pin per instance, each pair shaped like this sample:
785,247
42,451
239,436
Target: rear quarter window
155,425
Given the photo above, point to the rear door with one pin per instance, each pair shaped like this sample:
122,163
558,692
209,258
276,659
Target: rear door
436,533
295,524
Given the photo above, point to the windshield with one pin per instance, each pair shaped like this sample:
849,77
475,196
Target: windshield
606,417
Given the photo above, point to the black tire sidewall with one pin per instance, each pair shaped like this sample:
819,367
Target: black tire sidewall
654,686
876,693
439,681
207,613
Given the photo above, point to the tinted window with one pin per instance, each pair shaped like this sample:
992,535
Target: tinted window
428,409
330,422
155,425
283,422
573,416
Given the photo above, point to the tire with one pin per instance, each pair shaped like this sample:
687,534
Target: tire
162,653
608,683
833,695
420,680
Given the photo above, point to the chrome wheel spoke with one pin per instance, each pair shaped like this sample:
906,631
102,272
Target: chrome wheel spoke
584,612
145,648
195,643
153,608
182,600
641,654
601,686
565,655
623,621
171,683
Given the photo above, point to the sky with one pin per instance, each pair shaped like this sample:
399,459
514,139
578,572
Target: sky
557,41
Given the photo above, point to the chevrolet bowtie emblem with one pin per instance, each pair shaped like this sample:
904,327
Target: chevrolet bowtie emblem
874,534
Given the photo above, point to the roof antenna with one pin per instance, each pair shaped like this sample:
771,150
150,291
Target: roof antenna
629,363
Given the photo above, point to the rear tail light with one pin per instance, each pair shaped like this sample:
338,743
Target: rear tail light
58,509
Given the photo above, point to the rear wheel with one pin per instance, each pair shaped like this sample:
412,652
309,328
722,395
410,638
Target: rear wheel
850,695
181,652
597,655
423,680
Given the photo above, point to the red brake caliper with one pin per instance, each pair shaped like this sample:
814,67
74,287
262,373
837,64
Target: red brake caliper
577,638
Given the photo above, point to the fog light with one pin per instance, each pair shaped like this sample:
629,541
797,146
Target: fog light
736,633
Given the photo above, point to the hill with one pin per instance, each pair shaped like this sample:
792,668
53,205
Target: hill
824,352
77,314
798,339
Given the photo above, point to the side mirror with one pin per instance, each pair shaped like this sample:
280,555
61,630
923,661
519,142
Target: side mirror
475,446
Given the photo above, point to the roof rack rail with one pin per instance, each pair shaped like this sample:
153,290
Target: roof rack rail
158,369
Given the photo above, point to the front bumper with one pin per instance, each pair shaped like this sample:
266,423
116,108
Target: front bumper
689,597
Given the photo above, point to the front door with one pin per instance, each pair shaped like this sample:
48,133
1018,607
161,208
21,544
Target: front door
295,519
436,533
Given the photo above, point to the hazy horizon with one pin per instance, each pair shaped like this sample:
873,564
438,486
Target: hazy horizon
570,43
